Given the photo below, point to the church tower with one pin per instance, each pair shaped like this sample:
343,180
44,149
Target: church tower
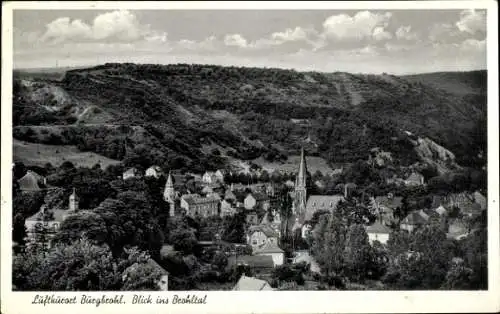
300,195
73,201
169,194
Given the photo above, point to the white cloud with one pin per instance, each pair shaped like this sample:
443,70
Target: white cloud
472,21
441,32
208,44
115,26
298,33
380,34
405,32
235,40
357,27
473,45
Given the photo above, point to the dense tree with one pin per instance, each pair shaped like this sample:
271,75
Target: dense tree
78,266
330,246
233,228
357,253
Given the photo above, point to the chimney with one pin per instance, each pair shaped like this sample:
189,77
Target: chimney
345,191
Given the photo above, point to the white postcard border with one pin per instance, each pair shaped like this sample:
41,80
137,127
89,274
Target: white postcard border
277,301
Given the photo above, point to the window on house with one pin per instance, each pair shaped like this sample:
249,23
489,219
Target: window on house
254,242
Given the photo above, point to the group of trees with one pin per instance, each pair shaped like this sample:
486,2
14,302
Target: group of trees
421,260
344,252
82,265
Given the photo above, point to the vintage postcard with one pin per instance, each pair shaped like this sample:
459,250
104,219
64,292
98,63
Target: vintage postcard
247,157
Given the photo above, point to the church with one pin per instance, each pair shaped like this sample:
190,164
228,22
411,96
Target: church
304,206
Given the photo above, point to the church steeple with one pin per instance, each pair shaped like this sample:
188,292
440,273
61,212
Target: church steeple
301,179
169,194
300,197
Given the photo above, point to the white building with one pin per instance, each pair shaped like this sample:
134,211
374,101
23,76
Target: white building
131,173
378,232
209,177
154,171
272,249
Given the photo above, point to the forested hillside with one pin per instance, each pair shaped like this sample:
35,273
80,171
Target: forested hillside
168,114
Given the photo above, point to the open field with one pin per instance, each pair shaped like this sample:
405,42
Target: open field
32,154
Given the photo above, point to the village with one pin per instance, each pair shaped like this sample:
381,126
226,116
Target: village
275,236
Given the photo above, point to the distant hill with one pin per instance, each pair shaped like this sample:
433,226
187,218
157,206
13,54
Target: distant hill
459,83
203,116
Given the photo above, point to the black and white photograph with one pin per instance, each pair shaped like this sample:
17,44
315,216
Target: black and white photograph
249,150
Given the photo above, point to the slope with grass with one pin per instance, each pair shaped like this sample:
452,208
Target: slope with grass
249,113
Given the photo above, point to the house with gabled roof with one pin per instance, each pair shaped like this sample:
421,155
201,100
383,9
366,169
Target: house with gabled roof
413,221
161,282
196,205
384,207
252,284
442,211
259,235
272,249
131,173
49,220
378,232
480,199
457,229
154,171
415,179
321,202
32,182
258,263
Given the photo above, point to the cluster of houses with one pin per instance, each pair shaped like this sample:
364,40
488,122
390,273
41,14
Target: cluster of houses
260,203
440,211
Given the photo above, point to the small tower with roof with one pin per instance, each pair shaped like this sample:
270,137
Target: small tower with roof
73,201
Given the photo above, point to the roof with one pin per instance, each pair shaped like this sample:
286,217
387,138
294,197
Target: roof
377,227
155,168
321,202
470,208
389,202
441,210
166,249
157,266
457,229
29,182
57,214
265,229
255,261
131,171
200,200
229,195
431,213
415,177
437,201
251,284
269,247
240,196
414,218
259,196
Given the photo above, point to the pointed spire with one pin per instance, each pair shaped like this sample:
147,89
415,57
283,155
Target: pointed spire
169,180
301,176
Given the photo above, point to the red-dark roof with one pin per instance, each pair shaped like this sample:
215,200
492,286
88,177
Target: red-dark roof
254,261
414,218
377,227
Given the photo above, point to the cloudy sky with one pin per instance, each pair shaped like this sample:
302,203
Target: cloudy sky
368,41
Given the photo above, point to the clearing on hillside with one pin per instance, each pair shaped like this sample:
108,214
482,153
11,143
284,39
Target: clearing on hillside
32,154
